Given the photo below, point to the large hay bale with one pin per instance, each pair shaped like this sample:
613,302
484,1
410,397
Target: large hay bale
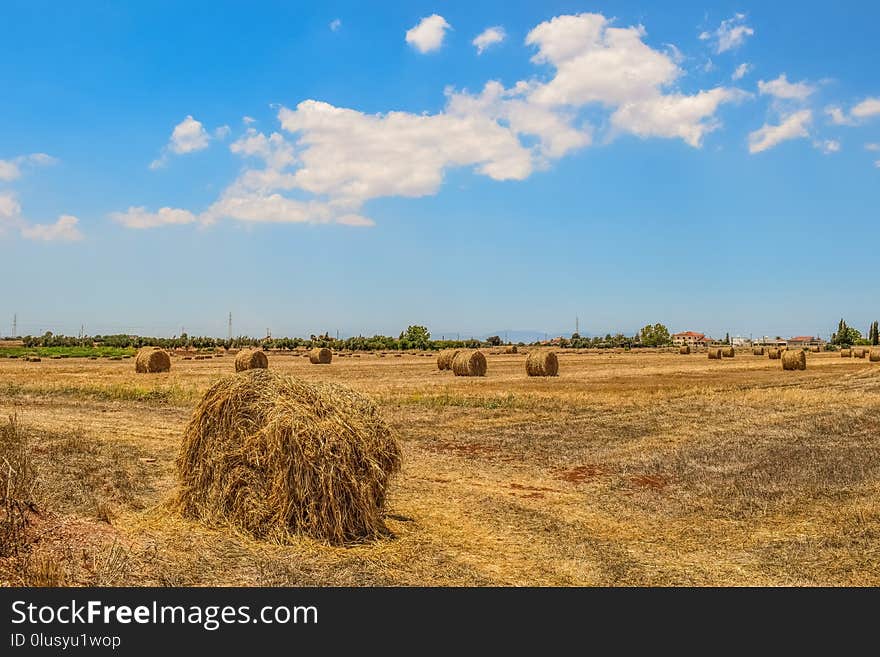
321,356
510,349
858,352
445,358
774,353
846,353
469,362
150,360
684,350
874,356
274,456
728,352
714,353
541,362
815,349
794,360
758,351
250,359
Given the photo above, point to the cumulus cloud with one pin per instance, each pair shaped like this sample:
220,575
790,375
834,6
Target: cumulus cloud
428,34
64,229
793,126
730,35
489,37
861,112
327,162
782,89
12,169
872,147
827,146
741,71
140,217
188,136
9,206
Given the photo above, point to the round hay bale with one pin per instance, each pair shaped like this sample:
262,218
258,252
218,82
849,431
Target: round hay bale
794,360
815,349
445,358
714,353
728,352
858,353
758,351
774,354
275,457
846,353
469,362
684,350
874,356
542,363
250,359
33,359
321,356
511,349
150,360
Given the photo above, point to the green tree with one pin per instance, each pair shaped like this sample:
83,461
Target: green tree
494,341
846,335
654,336
416,337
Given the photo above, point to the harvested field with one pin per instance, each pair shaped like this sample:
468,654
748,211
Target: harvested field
625,469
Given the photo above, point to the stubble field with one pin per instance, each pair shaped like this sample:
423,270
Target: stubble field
626,469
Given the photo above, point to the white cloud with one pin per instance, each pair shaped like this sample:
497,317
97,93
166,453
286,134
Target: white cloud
335,24
877,163
327,162
488,37
248,120
793,126
11,169
139,217
64,229
730,35
222,132
428,35
188,136
858,114
867,108
9,206
872,147
782,89
827,146
741,71
838,116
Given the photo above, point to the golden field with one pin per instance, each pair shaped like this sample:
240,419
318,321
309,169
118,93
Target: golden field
626,469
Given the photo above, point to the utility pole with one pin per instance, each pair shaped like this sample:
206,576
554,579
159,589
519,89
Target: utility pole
229,329
577,324
337,335
15,325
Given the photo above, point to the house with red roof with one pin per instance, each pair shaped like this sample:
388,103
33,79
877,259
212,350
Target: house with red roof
691,339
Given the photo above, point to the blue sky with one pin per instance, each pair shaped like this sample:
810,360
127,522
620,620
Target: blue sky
711,166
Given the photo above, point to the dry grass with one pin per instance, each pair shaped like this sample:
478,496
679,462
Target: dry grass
626,469
275,456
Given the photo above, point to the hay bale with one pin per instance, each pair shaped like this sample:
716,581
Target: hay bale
815,349
794,360
445,358
714,353
542,363
275,457
728,352
846,353
469,362
858,353
33,359
874,357
321,356
511,349
774,354
758,351
684,350
250,359
150,360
